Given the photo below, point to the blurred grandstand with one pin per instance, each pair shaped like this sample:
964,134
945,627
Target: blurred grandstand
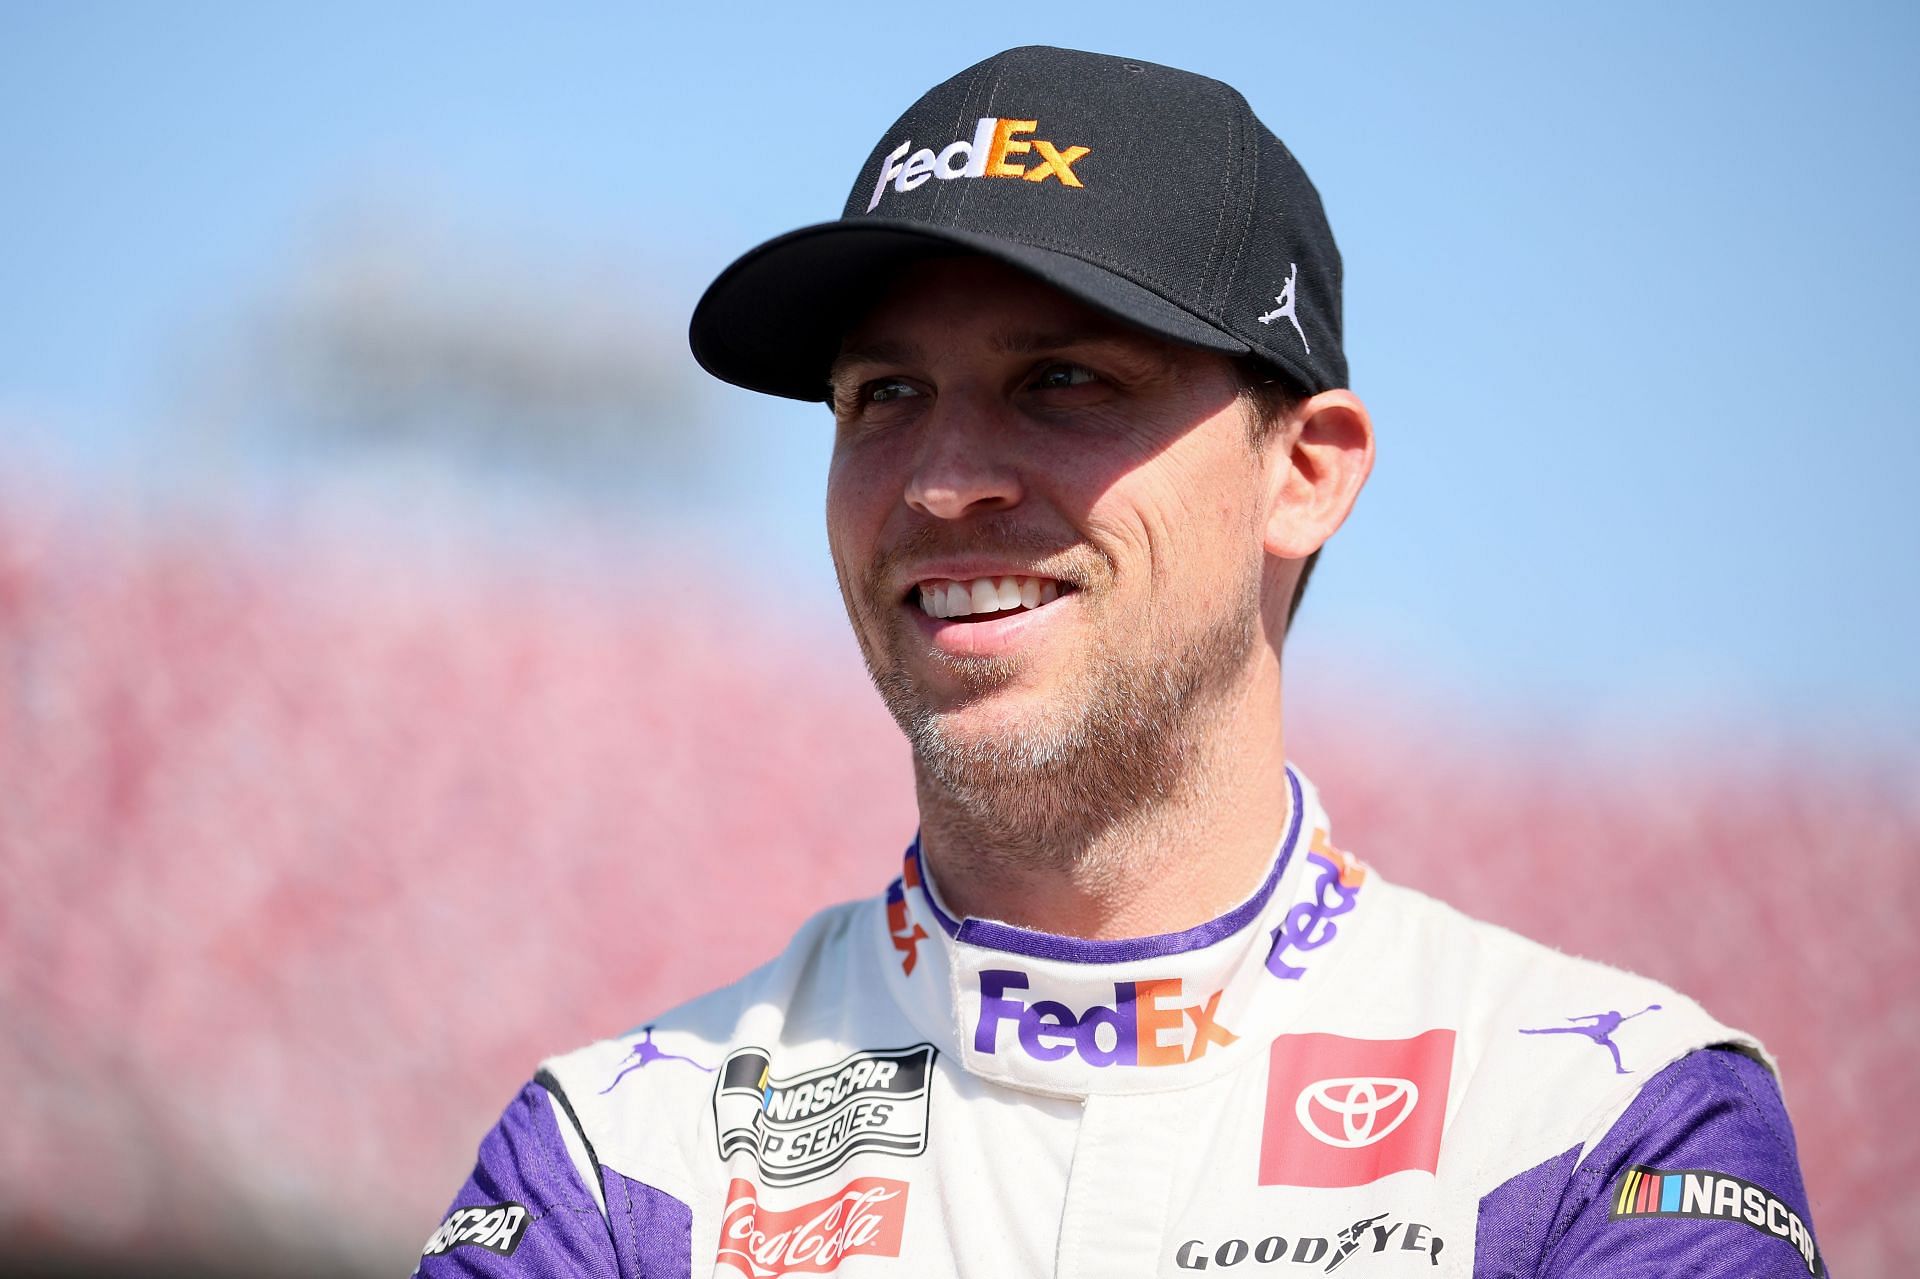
309,855
314,838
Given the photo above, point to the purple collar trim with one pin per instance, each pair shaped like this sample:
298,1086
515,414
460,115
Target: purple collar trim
1127,950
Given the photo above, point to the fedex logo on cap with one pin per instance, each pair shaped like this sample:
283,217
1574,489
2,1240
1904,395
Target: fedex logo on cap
990,153
1133,1031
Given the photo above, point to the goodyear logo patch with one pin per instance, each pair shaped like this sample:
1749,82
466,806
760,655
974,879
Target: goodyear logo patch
498,1228
1694,1192
807,1125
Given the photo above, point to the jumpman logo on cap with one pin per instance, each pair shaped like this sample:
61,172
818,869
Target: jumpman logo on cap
1599,1028
1284,311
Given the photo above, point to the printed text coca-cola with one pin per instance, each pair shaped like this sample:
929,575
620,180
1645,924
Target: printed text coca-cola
865,1218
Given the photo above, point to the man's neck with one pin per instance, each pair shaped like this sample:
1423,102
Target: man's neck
1156,867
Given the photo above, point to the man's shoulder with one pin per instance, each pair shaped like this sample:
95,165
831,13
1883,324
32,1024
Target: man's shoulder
1493,973
1551,1047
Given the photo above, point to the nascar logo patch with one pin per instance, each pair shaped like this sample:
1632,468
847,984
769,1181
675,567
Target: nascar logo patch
1701,1193
496,1227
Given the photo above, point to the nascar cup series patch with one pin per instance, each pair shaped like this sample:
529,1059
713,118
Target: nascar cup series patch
809,1124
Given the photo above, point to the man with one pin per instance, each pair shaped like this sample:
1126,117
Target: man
1128,1009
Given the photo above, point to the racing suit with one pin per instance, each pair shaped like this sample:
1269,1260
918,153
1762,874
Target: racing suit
1338,1075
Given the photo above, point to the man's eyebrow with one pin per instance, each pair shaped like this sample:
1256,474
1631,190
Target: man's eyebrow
877,351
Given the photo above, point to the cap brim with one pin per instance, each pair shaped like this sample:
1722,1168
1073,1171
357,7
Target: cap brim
774,320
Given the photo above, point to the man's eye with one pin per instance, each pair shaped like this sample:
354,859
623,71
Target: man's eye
1058,375
890,388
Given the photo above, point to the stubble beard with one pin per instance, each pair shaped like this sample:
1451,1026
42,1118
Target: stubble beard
1130,734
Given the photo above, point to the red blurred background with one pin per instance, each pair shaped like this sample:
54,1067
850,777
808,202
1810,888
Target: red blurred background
312,844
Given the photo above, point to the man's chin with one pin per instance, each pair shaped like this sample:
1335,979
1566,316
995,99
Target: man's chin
1002,726
962,686
996,694
983,721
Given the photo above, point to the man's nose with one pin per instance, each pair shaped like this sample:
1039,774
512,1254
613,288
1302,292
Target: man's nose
965,464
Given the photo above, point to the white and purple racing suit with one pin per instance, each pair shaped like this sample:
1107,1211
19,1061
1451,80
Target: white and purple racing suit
1337,1076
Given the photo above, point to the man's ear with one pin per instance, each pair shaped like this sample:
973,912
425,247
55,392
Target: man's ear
1329,439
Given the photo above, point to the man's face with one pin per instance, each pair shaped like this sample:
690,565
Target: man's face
1046,525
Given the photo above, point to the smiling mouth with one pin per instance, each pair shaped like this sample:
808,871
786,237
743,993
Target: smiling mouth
985,599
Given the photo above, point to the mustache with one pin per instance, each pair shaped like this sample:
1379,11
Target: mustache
1063,557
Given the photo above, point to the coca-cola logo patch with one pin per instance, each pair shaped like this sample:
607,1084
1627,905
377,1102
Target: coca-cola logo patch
865,1219
1345,1112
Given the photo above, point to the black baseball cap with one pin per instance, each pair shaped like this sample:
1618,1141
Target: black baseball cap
1147,192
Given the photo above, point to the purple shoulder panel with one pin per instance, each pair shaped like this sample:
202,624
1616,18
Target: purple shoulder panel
524,1212
1518,1217
652,1231
1699,1176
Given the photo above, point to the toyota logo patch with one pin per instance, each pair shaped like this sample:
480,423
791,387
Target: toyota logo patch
1365,1109
1346,1112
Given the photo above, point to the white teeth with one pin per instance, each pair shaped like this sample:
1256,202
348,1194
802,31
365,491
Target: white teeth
986,595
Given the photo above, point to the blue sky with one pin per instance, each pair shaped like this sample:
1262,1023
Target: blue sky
1630,286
